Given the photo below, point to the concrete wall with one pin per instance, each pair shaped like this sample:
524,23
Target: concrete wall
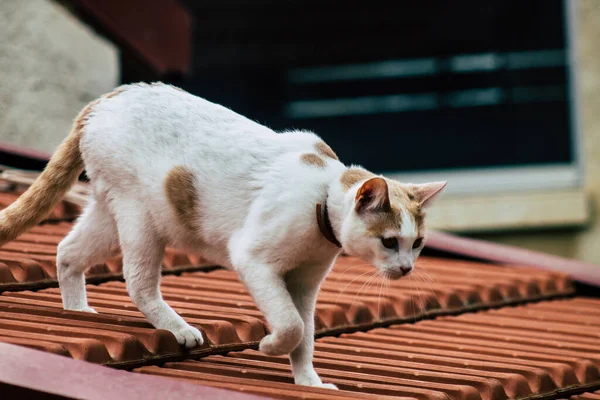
583,244
51,66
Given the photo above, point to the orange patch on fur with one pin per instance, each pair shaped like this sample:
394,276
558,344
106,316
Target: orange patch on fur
352,176
401,198
404,196
182,196
387,221
313,160
324,150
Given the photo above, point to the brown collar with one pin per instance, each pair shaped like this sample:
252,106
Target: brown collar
325,224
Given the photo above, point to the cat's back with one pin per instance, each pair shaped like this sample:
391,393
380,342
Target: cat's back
142,131
158,117
140,122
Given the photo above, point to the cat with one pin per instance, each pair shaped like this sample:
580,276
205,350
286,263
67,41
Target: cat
168,168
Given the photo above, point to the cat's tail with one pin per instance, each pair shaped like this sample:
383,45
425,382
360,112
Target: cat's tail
60,174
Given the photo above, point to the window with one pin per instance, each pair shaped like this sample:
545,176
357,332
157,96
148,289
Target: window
478,93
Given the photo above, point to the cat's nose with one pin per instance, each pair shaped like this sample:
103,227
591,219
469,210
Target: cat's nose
406,270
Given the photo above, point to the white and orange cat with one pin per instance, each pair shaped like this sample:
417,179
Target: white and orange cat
171,169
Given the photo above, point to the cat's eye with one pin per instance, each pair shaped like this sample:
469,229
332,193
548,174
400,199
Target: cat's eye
417,243
389,243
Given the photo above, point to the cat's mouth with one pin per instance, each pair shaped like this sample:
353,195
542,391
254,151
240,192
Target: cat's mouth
396,273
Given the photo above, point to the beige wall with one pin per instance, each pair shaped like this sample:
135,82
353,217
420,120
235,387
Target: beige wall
583,244
51,66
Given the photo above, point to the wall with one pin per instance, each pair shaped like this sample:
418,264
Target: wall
52,65
583,244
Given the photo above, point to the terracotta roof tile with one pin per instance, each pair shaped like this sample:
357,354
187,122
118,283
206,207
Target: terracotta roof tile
587,396
453,357
219,305
29,262
454,329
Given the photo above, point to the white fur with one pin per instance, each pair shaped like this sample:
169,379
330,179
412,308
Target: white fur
257,216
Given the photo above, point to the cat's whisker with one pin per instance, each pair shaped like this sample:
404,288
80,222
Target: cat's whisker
433,292
381,283
429,290
412,298
384,289
352,267
367,285
361,288
425,274
362,285
348,284
388,287
362,265
425,292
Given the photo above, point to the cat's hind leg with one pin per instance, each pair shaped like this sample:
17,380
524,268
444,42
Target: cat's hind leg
142,258
92,241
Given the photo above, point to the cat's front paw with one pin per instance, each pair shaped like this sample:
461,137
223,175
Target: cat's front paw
87,309
310,378
188,336
272,346
326,386
277,344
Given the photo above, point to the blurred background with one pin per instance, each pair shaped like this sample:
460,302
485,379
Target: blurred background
499,97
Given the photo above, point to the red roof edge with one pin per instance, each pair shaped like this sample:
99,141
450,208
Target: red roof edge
578,270
27,373
21,151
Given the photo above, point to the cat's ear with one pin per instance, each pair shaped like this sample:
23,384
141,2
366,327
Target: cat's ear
426,192
373,195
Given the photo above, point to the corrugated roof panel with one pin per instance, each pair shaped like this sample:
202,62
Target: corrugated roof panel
218,304
454,357
454,329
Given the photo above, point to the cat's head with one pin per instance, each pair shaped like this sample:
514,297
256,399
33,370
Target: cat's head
385,221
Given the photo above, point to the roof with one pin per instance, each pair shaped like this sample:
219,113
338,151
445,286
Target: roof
455,329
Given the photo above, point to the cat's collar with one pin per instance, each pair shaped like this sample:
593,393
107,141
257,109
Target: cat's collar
325,224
